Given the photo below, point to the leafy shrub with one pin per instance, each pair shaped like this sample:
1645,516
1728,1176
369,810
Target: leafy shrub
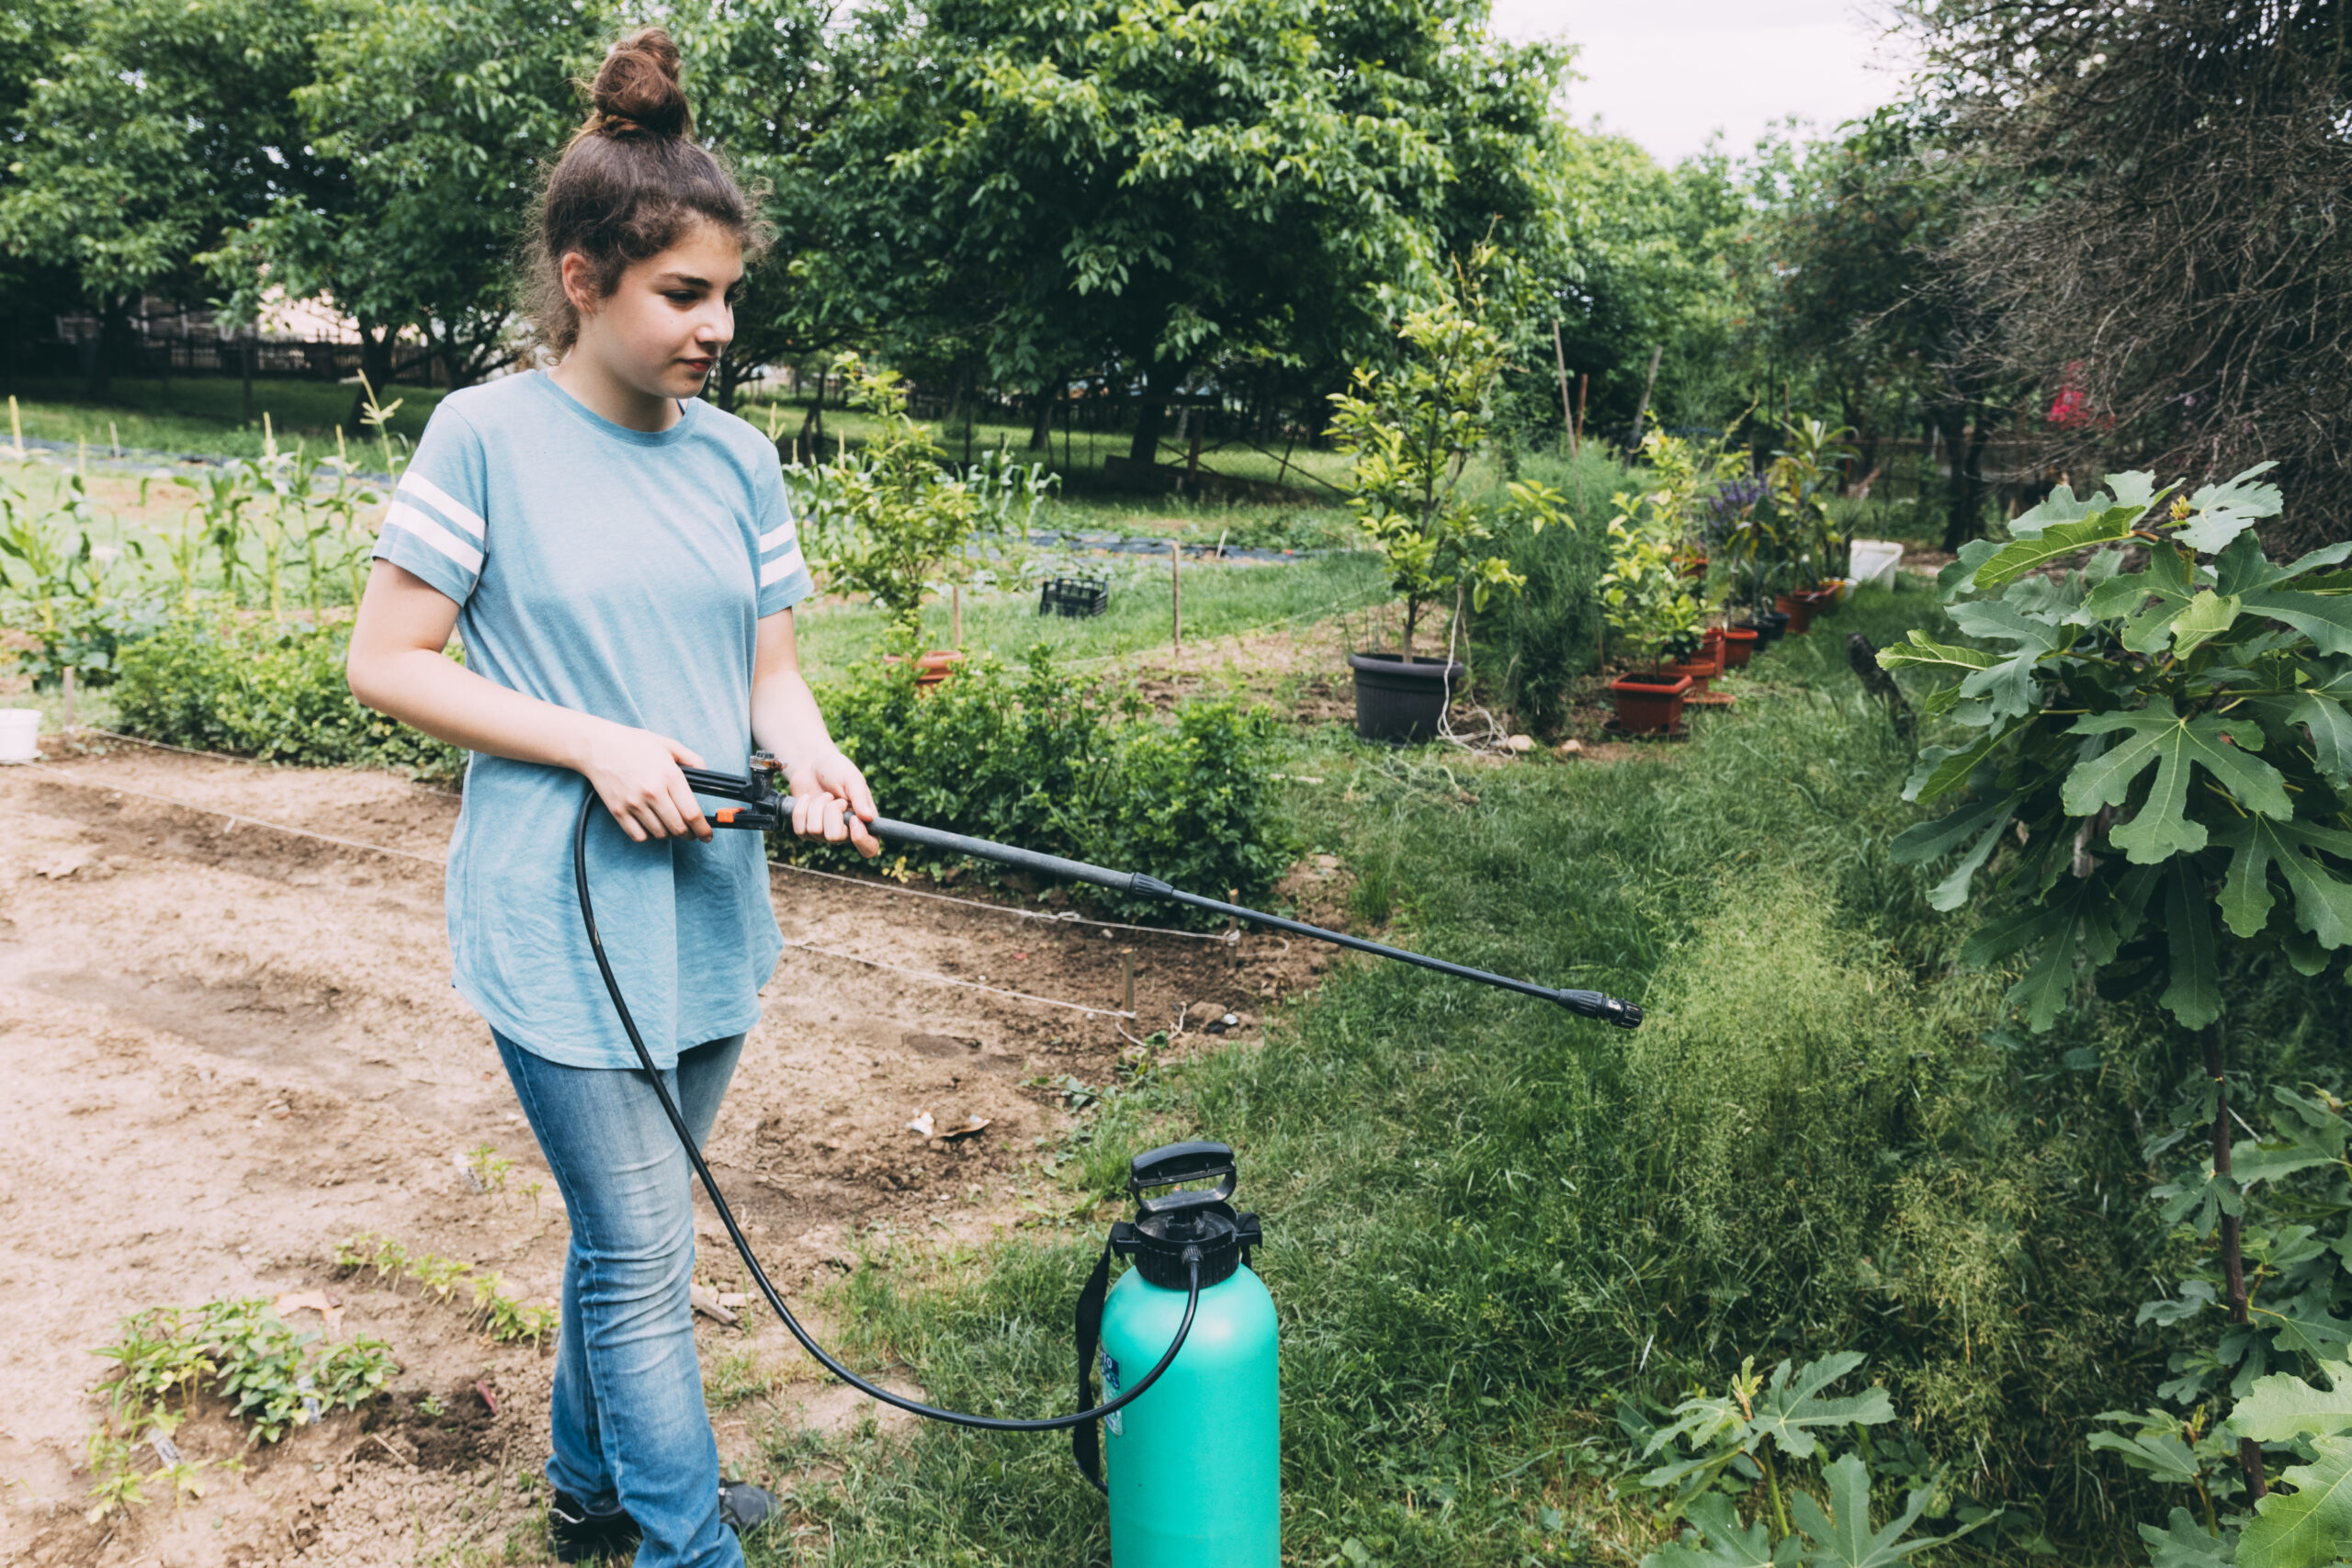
1531,644
272,1376
1060,765
265,689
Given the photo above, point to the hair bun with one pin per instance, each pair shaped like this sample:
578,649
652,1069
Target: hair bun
637,92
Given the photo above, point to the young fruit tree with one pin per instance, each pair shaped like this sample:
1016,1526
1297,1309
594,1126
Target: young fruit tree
2153,784
1412,431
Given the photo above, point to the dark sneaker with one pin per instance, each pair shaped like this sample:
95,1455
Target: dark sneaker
743,1507
579,1535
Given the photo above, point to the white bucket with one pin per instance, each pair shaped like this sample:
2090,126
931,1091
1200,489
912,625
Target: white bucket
19,734
1874,560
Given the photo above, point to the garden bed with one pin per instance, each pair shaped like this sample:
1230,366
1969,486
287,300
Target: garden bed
231,1046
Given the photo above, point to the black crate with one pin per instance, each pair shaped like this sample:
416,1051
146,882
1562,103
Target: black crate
1074,596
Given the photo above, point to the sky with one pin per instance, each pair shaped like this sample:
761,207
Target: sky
1669,72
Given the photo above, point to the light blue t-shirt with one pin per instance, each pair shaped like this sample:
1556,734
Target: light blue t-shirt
621,574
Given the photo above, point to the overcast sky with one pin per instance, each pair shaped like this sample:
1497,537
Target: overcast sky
1668,73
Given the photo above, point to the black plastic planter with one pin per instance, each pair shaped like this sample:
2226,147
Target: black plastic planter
1770,628
1401,699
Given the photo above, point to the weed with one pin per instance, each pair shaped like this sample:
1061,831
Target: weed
503,1317
488,1168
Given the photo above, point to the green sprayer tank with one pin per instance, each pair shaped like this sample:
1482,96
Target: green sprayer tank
1194,1467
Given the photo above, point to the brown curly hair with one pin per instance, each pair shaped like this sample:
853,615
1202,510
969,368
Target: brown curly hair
630,182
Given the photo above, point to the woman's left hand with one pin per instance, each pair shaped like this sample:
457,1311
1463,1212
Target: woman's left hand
829,801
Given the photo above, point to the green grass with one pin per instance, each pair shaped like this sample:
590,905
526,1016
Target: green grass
1219,599
1489,1221
202,416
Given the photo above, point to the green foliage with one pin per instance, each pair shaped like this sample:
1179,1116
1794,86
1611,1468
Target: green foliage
142,141
272,1377
1173,186
1646,597
1485,1220
887,521
1781,535
504,1319
1412,431
2291,1188
2207,699
260,689
1060,765
1534,642
78,602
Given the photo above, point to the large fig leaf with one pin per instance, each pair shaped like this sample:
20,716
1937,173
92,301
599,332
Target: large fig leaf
2280,1408
1847,1540
2322,897
2159,735
1792,1409
2007,685
1721,1541
2020,555
1981,821
2311,1526
2220,513
2184,1543
1918,651
2193,993
2325,617
2169,581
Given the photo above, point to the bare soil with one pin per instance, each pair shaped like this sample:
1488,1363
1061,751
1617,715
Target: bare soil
224,1048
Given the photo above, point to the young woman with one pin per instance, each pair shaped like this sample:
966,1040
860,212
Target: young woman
620,562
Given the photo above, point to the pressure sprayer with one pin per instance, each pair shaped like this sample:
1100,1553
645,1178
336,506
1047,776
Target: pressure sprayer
1192,1475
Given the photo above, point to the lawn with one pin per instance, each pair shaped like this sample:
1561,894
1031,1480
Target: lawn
1489,1223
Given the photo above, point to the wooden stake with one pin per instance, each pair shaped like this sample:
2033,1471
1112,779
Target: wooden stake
66,684
1649,384
956,601
1176,595
1584,385
1128,974
1567,414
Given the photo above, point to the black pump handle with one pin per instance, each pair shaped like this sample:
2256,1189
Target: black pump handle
770,808
1174,1163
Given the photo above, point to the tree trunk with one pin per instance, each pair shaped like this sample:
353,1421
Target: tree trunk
114,327
1965,486
2232,1251
1151,414
1041,414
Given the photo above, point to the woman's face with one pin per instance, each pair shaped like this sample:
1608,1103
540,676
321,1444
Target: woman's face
661,329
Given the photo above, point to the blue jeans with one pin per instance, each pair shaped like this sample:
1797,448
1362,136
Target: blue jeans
630,1430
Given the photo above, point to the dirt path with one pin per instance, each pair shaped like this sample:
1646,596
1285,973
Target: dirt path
225,1047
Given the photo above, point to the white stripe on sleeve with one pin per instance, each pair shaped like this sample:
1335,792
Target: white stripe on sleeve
447,505
778,535
426,531
784,566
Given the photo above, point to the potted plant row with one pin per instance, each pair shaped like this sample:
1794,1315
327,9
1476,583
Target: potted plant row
1780,546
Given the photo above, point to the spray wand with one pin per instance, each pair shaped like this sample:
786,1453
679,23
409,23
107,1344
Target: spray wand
761,806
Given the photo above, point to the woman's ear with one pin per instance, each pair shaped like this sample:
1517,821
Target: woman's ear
580,284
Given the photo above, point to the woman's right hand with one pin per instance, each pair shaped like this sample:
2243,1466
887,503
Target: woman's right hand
635,773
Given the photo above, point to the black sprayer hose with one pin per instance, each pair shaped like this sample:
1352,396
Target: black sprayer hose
1584,1004
735,1231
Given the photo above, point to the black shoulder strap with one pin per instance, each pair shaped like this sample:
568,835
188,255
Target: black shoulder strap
1085,1446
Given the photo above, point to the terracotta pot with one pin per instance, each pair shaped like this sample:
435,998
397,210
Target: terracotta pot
1701,671
1734,646
1830,596
930,669
1649,701
1798,607
1693,566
